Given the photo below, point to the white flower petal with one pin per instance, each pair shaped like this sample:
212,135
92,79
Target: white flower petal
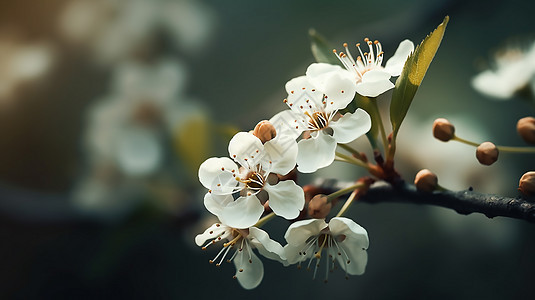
286,199
218,170
282,150
340,90
212,232
215,203
302,94
351,126
395,64
285,123
374,83
495,85
294,255
139,151
319,74
245,148
252,269
352,230
244,212
298,233
265,245
315,153
354,244
357,256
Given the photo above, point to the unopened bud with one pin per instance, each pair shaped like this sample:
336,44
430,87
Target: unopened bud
319,207
443,130
527,184
265,131
526,129
487,153
426,181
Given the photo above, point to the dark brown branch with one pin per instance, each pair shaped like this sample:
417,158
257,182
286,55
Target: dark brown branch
463,202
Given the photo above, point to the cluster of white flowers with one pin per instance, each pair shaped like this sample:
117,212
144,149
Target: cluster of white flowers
135,129
257,178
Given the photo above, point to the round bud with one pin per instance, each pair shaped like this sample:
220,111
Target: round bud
319,207
265,131
527,184
487,153
526,129
426,181
443,130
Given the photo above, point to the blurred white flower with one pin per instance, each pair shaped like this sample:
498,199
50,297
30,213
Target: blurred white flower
118,28
342,241
249,268
513,69
21,63
130,126
105,194
315,102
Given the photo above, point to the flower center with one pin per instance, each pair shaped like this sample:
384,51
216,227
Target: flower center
237,240
254,181
318,120
365,62
333,248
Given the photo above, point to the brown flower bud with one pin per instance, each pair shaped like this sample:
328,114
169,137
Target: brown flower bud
526,129
527,184
487,153
426,181
443,130
265,131
319,207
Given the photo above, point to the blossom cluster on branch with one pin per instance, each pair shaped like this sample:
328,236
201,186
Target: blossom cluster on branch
330,106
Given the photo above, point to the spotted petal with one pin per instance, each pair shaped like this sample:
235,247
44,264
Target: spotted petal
216,174
245,148
302,94
288,123
213,231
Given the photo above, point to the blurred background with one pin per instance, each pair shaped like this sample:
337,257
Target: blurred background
107,107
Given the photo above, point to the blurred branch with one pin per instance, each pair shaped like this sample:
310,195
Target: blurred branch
463,202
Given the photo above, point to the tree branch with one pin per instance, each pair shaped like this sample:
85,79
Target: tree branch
463,202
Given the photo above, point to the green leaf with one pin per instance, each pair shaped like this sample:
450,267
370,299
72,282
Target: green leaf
412,75
321,49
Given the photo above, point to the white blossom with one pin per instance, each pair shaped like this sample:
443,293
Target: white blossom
366,71
314,103
238,189
341,240
239,250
